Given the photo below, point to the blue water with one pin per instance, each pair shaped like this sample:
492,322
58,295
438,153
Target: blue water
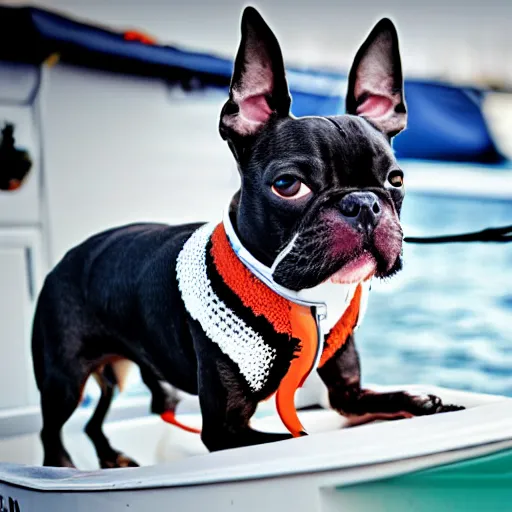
446,319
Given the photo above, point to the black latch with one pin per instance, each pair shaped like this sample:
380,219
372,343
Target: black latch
14,163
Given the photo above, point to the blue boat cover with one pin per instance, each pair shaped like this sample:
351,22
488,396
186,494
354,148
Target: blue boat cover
445,122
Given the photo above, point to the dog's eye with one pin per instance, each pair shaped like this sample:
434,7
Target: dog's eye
290,187
396,178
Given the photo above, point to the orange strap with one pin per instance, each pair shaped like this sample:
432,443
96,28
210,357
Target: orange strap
304,329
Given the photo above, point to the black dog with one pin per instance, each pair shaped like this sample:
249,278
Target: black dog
319,201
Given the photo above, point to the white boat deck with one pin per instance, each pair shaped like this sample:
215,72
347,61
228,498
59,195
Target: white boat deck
294,472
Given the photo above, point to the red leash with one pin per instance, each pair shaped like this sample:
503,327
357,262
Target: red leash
170,417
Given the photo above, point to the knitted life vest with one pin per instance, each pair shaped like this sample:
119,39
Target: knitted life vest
211,277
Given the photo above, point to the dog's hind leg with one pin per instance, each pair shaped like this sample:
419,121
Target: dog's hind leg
60,383
59,399
164,397
108,456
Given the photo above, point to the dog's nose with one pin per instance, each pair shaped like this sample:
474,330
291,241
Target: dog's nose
361,210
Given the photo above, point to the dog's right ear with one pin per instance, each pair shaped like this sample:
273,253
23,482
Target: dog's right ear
258,91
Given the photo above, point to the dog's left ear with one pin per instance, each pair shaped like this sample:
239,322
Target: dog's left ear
258,90
375,83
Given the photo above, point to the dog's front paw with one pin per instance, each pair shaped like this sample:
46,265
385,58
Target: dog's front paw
451,408
430,404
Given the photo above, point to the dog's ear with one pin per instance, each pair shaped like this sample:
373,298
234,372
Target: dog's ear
375,83
258,90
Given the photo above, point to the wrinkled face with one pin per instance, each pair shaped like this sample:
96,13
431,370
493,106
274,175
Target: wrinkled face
321,196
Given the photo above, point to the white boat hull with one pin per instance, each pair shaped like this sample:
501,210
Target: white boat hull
354,469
